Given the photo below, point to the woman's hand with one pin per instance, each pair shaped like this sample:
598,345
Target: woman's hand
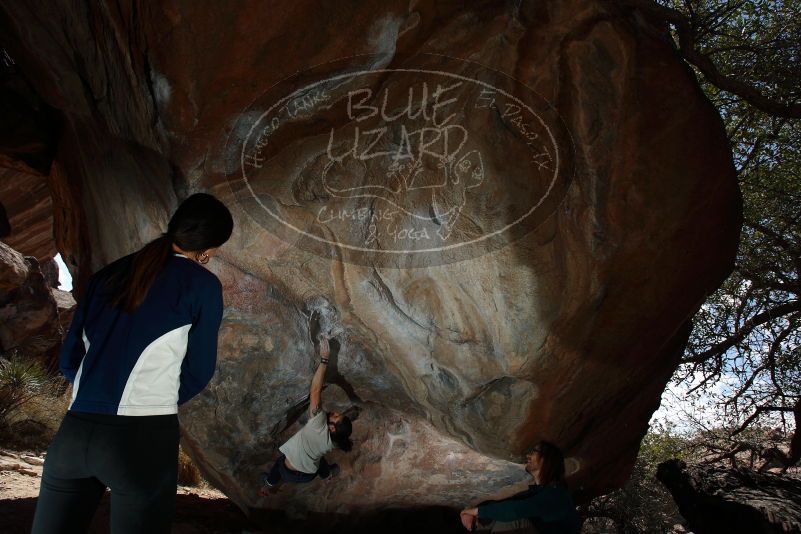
469,517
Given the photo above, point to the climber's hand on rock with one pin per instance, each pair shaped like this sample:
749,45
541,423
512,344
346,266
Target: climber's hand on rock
325,350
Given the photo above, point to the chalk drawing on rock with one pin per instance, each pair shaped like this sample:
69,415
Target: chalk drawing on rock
406,166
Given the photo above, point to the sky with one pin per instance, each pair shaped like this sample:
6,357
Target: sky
678,407
64,277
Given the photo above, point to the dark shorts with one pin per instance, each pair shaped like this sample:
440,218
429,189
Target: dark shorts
280,472
135,457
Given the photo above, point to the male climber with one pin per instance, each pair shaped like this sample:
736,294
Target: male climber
303,455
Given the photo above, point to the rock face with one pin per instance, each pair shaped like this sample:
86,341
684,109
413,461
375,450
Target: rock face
27,144
505,215
718,501
26,198
29,311
30,305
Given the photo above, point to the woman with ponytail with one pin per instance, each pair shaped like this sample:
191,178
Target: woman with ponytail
142,342
302,457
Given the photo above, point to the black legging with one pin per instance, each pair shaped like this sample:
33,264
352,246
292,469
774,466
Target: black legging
136,457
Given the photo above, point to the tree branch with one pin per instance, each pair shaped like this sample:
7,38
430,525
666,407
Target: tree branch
789,286
795,442
777,238
756,413
746,328
774,347
687,48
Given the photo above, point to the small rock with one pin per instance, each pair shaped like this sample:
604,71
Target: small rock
9,467
33,460
29,472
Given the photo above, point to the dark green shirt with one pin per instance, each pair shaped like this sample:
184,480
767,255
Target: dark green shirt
550,508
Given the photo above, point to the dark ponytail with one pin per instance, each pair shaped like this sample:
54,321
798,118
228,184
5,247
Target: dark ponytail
553,463
129,286
341,434
201,222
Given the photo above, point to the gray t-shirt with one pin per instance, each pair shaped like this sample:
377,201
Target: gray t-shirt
309,444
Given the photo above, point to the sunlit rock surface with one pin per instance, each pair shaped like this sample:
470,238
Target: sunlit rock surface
588,225
30,309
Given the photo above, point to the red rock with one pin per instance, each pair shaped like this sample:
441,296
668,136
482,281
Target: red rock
26,198
13,269
566,327
29,317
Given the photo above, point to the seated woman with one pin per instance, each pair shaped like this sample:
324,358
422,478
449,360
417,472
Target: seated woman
544,508
303,455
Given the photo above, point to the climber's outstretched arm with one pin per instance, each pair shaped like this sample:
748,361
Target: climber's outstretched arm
316,389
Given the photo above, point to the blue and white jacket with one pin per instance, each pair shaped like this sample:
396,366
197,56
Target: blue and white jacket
150,361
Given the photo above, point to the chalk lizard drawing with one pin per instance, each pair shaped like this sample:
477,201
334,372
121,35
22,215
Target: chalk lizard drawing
408,185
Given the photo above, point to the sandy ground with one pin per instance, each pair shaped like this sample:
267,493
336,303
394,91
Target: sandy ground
199,510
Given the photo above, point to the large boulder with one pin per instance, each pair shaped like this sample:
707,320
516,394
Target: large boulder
515,255
716,500
33,313
29,311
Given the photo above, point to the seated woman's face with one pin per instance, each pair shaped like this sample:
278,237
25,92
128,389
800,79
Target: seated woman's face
533,461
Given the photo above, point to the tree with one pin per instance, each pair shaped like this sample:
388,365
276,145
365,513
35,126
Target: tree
745,348
643,505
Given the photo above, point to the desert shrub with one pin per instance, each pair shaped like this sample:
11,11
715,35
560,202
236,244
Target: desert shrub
21,380
188,473
32,402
